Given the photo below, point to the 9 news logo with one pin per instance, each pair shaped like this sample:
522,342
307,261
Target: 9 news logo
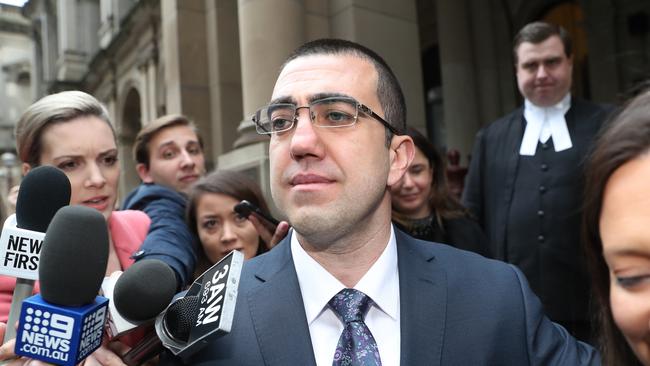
60,335
91,333
47,334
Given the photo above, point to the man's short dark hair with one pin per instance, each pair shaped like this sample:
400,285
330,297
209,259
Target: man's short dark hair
141,145
538,32
389,91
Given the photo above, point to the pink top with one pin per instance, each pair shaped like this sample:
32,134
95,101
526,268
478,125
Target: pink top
128,230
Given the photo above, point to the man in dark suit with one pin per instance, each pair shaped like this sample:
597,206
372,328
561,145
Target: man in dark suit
524,183
345,287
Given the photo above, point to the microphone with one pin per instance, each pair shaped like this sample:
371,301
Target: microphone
192,321
43,191
65,322
137,295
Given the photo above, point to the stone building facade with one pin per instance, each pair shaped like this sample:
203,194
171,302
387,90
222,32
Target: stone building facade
16,86
216,60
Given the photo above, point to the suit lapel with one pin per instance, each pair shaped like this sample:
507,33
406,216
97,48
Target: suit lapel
423,298
278,313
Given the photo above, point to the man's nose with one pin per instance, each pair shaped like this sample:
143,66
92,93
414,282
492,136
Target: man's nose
305,139
186,159
541,72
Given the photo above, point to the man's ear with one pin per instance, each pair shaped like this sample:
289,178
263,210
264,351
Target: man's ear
143,172
402,151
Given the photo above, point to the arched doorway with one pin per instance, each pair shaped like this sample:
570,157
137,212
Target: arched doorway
131,123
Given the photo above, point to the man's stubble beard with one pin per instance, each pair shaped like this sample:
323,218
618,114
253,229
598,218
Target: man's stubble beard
323,225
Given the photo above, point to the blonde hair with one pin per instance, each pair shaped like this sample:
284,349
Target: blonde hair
49,110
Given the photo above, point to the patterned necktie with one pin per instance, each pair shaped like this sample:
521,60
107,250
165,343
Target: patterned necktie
357,346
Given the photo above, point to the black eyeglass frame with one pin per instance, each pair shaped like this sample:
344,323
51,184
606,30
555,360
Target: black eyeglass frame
359,108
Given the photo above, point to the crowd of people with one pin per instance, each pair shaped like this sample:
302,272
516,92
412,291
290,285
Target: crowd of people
543,262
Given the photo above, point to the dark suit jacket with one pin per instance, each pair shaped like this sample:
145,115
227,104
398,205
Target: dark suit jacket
457,308
555,268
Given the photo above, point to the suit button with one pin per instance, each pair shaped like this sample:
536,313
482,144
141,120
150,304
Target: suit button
540,238
544,167
542,189
545,146
540,213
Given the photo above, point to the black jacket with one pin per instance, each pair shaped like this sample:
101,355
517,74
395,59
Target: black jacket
554,265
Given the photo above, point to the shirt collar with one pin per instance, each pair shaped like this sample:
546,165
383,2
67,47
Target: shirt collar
318,286
563,105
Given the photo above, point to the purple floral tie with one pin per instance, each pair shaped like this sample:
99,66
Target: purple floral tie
357,346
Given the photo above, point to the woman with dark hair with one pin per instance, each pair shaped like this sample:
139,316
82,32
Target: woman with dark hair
423,206
615,229
220,229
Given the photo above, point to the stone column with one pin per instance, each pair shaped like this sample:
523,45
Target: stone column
268,32
389,28
601,33
495,89
183,26
459,84
224,73
41,14
152,91
70,61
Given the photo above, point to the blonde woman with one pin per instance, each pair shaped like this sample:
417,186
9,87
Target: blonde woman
71,131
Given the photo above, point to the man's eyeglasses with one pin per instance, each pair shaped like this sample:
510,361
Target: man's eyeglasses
331,112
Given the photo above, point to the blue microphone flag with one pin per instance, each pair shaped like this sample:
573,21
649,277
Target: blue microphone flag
62,335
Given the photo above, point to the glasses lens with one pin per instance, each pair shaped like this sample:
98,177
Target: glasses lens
275,118
327,112
334,112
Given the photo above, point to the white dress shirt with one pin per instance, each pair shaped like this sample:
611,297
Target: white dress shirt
380,283
544,122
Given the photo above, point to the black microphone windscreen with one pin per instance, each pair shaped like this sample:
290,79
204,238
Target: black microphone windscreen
43,191
74,256
180,316
144,290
